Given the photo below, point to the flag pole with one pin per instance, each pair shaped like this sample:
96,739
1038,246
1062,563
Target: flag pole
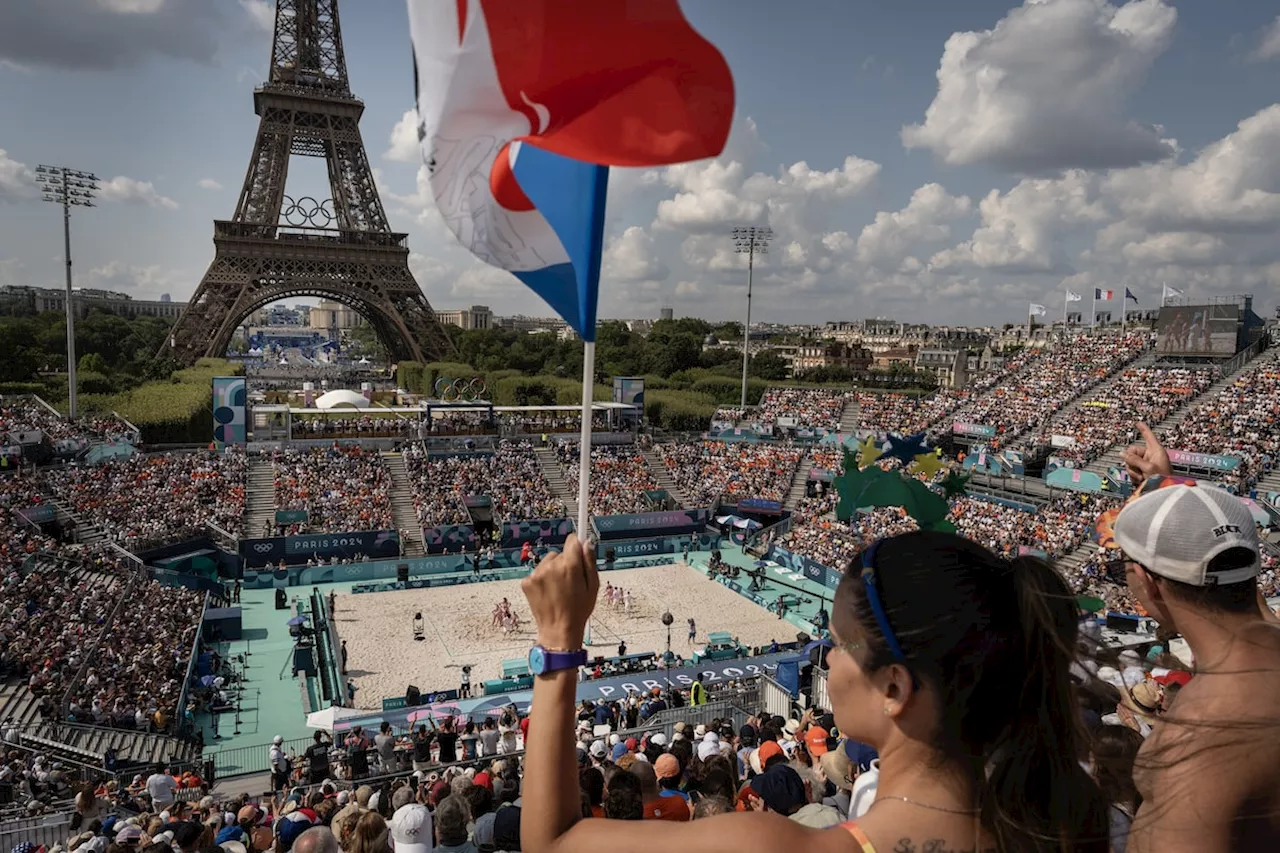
1093,314
1064,311
584,446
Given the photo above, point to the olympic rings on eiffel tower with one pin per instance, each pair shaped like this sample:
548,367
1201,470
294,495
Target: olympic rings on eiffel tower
307,212
453,390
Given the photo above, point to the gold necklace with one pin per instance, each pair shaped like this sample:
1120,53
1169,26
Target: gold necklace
880,797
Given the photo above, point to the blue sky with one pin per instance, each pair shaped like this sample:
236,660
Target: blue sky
1063,144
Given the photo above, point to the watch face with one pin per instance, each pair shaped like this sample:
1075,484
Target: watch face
537,660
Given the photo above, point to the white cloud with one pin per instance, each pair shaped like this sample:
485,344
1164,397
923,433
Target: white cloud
133,7
894,238
140,280
632,257
17,181
404,140
1045,89
261,12
106,34
1023,229
1231,185
716,194
688,289
208,184
132,191
1269,44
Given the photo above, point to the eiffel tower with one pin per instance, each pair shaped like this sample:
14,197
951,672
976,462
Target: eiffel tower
276,247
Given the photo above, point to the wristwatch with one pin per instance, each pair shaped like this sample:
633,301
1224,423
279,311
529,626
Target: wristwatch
543,660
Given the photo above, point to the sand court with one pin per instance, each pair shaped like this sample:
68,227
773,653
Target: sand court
384,658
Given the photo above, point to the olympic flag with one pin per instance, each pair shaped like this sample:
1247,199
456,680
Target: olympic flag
524,104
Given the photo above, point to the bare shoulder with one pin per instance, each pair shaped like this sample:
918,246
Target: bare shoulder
1206,766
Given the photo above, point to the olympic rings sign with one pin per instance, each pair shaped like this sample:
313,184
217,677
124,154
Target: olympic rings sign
307,212
453,390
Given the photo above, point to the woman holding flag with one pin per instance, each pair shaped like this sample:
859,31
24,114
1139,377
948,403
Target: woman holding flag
523,106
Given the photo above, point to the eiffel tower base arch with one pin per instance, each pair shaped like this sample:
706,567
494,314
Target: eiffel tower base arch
379,286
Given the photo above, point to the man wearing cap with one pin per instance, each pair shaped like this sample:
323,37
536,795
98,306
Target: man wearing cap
1208,780
411,829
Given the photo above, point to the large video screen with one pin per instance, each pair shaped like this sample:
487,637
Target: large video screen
1197,329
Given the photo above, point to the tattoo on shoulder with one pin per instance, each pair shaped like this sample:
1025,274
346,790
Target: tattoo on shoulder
934,845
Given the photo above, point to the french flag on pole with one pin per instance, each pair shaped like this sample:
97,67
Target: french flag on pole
1103,295
524,104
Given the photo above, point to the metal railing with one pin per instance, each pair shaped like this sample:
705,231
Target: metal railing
43,831
92,652
775,698
137,433
184,694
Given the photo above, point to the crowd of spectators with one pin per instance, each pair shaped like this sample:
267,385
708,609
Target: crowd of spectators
19,539
134,681
708,469
1029,397
144,499
22,414
51,614
1146,394
1055,528
817,408
905,414
342,488
619,478
510,477
1243,419
363,426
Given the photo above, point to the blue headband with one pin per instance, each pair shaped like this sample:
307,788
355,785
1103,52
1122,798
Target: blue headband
873,599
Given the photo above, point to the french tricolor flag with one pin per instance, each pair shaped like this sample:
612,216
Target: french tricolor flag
1103,295
524,104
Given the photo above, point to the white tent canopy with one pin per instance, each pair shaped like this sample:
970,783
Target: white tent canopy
325,718
340,398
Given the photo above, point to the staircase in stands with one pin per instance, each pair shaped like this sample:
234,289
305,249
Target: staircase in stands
260,496
549,464
662,476
402,509
849,417
87,532
1112,456
1077,558
798,481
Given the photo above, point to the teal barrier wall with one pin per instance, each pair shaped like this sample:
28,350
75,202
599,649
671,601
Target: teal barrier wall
445,564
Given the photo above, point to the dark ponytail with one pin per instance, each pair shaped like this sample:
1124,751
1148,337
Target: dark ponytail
995,639
1035,795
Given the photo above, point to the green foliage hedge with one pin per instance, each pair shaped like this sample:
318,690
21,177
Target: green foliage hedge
174,411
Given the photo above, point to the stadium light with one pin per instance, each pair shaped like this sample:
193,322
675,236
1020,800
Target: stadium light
69,188
748,240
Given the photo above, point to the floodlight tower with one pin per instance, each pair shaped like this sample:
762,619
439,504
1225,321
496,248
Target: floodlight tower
748,240
69,188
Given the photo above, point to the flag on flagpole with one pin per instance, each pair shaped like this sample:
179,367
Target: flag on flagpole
522,107
1167,291
1073,296
1128,294
523,104
1038,310
1103,295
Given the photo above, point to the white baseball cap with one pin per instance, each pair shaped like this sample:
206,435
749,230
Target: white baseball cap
411,829
1175,532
